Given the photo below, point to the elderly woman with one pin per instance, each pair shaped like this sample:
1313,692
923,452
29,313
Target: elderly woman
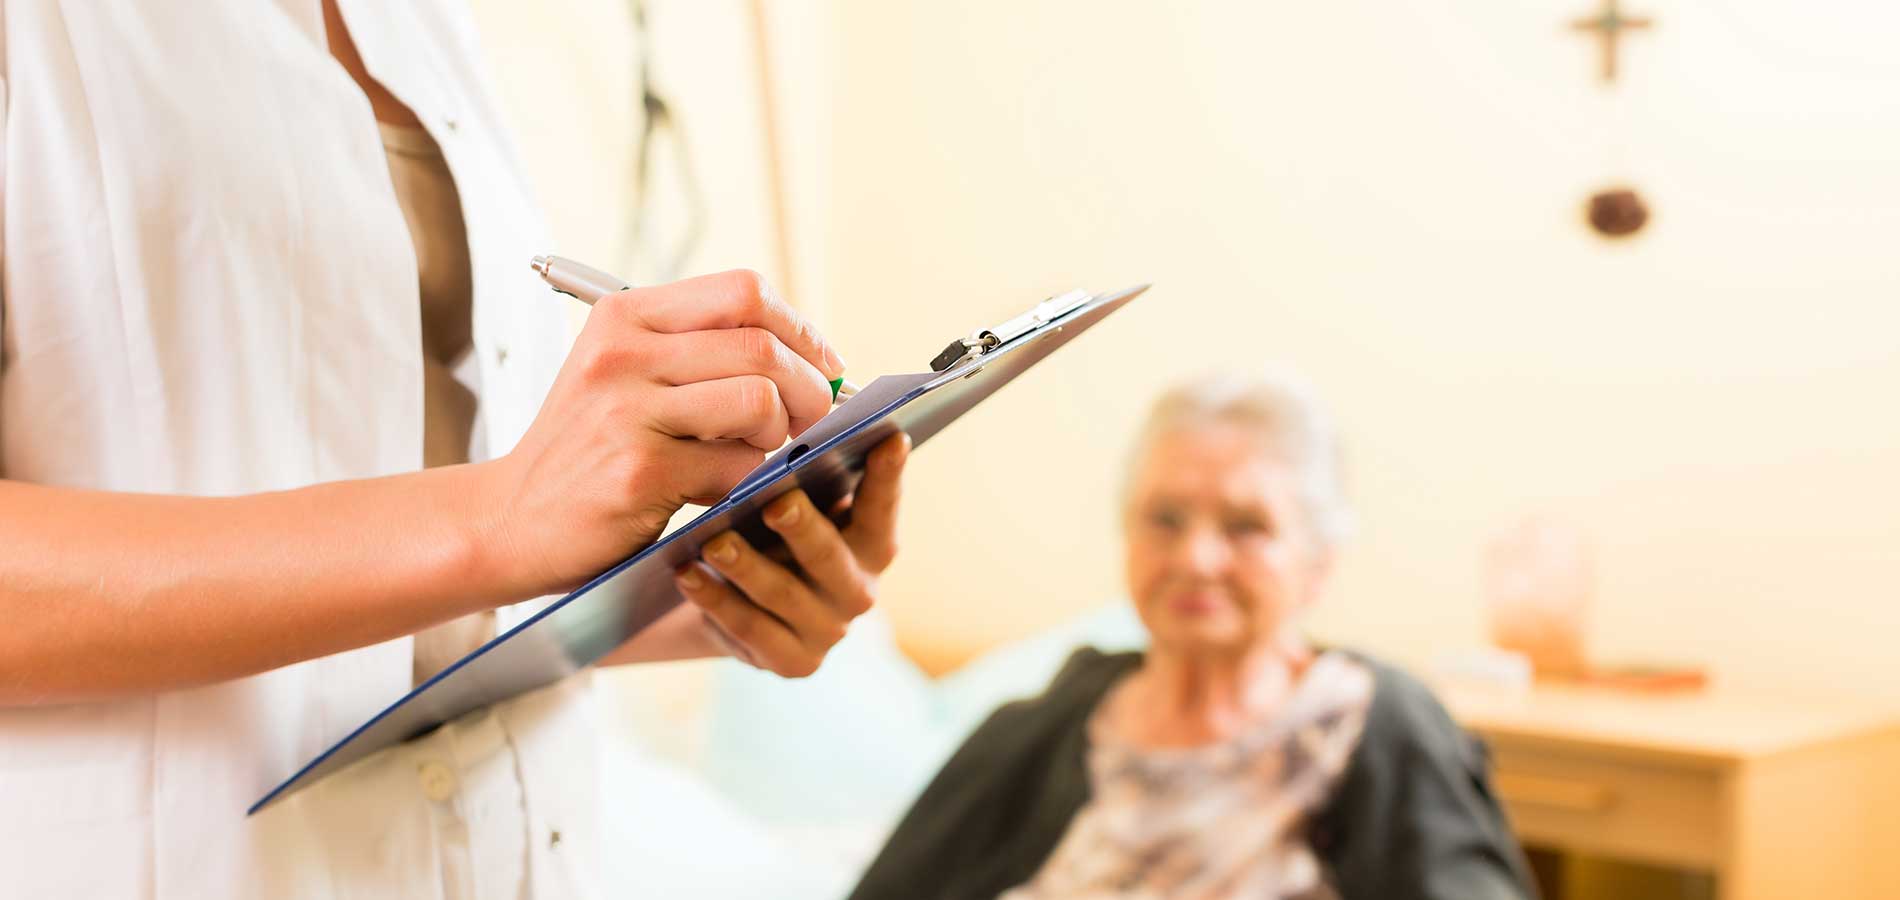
1233,759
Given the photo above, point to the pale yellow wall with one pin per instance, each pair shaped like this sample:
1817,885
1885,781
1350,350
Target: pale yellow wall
565,74
1380,194
1384,195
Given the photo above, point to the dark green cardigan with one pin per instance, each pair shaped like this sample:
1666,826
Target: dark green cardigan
1413,817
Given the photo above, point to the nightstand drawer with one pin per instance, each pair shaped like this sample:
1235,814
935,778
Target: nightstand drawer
1637,810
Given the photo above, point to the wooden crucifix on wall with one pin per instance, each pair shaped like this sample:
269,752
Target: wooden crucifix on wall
1609,24
1617,211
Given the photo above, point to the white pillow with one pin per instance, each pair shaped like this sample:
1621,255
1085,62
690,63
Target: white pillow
1024,668
721,779
665,833
848,746
857,742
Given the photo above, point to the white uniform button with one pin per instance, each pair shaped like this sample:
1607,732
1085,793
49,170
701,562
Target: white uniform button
501,354
438,781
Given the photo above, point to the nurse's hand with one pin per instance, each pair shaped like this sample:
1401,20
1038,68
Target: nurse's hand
785,620
671,395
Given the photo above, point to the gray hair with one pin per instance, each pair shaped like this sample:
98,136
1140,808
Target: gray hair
1292,427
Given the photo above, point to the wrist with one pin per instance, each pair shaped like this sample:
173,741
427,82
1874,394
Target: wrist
488,548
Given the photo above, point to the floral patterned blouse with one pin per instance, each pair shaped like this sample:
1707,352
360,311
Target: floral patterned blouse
1224,820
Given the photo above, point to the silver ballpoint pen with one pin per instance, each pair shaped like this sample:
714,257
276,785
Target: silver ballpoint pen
588,284
583,283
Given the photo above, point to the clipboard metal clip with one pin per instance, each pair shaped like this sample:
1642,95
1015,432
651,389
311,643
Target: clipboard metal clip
983,340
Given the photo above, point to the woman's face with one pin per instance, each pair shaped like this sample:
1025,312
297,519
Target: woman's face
1220,555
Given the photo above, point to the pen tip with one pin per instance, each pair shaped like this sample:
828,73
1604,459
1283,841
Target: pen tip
539,264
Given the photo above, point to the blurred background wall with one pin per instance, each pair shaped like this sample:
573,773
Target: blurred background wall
1384,195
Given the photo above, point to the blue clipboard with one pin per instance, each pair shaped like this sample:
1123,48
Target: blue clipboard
827,461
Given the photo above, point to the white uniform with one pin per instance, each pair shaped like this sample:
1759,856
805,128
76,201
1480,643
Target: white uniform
209,289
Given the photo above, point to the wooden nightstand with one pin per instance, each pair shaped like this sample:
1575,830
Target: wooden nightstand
1778,798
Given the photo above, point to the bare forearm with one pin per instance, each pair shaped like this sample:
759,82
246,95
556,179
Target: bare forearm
107,594
671,394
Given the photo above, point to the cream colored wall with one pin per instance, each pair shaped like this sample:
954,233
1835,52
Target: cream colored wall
1384,195
565,73
1381,195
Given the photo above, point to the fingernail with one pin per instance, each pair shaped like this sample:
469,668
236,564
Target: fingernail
835,361
895,456
723,549
690,578
785,513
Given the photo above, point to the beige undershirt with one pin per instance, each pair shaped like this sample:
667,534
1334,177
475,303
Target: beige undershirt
433,211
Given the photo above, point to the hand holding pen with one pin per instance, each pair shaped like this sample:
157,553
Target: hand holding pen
588,284
671,395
